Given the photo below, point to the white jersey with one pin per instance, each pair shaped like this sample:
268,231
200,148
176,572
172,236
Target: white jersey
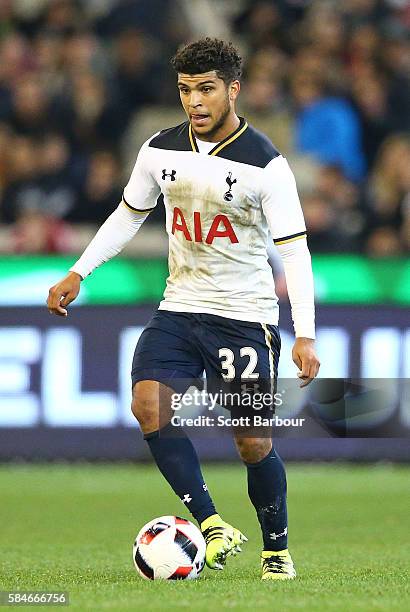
219,206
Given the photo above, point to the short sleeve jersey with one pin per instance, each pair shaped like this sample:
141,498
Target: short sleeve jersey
220,206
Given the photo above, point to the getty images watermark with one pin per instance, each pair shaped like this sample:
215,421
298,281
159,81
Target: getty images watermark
260,409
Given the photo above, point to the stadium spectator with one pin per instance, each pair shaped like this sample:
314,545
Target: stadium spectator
101,191
387,197
261,24
42,178
138,73
326,234
36,233
370,94
327,127
263,105
94,112
4,146
21,171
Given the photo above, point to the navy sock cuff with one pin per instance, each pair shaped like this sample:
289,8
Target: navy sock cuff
168,431
151,435
270,455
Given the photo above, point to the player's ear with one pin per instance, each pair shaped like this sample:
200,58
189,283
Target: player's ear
234,89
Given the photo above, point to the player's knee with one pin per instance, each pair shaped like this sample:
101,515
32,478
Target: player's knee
252,450
151,405
143,405
140,408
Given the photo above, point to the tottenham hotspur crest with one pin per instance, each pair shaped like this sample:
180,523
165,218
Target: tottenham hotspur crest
228,194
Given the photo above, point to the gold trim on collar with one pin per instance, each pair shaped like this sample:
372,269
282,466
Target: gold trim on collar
231,139
192,140
221,145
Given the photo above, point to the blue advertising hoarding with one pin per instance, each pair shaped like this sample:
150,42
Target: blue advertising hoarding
65,386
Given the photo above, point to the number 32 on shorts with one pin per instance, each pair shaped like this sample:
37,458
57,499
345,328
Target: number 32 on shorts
228,366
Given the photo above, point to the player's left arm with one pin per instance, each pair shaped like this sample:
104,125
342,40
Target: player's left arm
299,280
283,212
139,198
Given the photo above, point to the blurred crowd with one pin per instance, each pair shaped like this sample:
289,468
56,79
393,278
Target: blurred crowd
328,81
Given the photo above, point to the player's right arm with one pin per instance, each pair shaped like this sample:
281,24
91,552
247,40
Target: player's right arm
138,200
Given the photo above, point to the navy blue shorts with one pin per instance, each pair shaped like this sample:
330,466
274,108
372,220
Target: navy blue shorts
175,349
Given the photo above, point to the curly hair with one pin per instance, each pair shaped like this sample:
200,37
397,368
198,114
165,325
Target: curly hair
209,54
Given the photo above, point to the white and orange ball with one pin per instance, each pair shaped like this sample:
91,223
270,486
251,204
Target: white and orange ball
169,548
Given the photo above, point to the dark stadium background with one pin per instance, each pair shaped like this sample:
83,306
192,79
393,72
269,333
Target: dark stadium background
82,85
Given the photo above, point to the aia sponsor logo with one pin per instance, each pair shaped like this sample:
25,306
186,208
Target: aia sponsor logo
220,228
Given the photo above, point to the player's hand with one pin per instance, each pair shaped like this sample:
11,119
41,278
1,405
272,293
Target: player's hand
305,358
63,293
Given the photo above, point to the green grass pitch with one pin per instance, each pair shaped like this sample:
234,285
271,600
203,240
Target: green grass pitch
71,527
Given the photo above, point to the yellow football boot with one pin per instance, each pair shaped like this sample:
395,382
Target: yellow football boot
222,540
277,565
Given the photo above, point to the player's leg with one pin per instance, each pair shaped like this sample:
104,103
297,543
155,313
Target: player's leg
222,539
267,492
242,357
165,341
171,448
267,487
177,460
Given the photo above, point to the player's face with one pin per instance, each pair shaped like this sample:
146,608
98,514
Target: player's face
208,102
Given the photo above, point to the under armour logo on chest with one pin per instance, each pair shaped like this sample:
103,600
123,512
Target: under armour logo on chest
171,175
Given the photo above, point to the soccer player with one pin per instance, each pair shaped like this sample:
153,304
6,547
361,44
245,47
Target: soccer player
225,187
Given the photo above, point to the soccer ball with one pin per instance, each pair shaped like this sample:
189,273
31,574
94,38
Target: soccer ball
169,548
